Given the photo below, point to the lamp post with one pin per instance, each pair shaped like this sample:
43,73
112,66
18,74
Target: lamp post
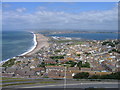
65,77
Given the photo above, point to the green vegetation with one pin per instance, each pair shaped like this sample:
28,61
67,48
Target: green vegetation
9,63
50,64
18,62
63,41
77,54
57,51
109,43
109,76
114,50
87,53
82,75
21,80
116,42
56,61
79,64
15,80
94,77
78,42
57,57
6,78
74,42
85,75
72,63
41,65
43,82
86,64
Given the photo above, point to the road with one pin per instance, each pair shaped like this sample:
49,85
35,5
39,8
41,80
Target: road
70,85
100,53
78,85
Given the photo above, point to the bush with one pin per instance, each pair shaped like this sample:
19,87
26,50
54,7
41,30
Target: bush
78,54
58,51
41,65
79,64
87,65
9,63
95,77
72,63
109,76
114,50
110,43
82,75
57,57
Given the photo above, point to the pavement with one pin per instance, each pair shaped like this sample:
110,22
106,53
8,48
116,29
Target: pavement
77,85
69,84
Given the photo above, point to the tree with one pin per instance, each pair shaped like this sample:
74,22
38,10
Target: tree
87,65
41,65
94,77
72,63
79,64
57,57
78,54
82,75
108,76
56,61
9,63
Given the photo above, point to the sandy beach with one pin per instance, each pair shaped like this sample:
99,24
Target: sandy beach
42,41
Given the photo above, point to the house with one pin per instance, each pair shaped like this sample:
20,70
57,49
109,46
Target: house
26,68
117,69
20,72
2,69
85,69
109,66
50,62
30,73
62,61
59,74
8,74
10,69
58,68
39,70
72,69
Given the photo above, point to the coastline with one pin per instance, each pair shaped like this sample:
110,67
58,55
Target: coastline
39,41
33,47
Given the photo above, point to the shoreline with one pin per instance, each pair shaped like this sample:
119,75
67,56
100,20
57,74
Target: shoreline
40,41
36,47
33,47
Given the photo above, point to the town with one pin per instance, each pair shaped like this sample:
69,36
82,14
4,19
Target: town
65,57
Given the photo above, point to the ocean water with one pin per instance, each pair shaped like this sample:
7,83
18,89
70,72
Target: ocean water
15,43
90,36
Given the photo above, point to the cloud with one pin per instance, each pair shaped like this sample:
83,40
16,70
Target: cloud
44,19
21,9
41,8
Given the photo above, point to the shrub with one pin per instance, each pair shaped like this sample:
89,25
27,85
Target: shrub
9,63
82,75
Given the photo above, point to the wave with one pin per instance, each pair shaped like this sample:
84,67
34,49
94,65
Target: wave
33,47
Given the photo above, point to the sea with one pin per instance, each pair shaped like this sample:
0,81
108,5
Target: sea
15,43
89,36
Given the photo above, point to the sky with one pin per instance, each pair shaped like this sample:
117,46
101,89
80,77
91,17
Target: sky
59,16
